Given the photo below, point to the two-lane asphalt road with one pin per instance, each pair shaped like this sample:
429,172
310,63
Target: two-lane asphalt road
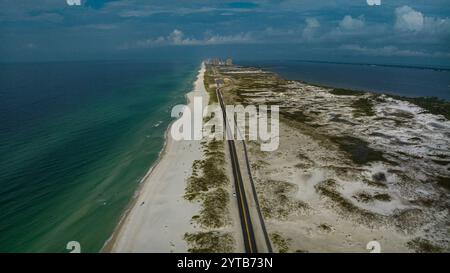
244,212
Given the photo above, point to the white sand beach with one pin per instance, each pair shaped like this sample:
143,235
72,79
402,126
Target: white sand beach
160,216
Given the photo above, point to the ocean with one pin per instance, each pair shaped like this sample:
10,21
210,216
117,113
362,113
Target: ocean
407,81
76,138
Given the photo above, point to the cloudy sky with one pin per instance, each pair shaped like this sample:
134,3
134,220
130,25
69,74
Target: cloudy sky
396,31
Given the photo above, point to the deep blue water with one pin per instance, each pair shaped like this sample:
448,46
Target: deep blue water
398,80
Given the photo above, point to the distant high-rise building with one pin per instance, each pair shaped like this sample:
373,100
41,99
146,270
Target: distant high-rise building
220,62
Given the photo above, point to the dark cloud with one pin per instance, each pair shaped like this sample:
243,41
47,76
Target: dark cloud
402,27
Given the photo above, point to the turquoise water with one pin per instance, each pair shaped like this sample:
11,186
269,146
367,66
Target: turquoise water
75,140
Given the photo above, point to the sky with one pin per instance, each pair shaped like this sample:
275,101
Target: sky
373,31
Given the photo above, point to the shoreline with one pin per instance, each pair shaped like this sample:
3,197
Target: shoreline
398,89
432,104
111,244
107,246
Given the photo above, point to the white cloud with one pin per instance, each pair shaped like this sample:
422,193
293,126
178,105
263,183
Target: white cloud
177,37
349,23
412,21
437,25
408,19
373,2
312,24
73,2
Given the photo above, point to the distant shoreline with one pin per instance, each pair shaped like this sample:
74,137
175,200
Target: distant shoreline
413,82
352,89
432,104
411,66
125,60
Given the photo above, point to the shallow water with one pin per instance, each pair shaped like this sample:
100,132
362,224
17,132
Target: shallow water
75,140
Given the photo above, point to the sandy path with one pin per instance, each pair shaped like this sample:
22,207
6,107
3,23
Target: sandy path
160,216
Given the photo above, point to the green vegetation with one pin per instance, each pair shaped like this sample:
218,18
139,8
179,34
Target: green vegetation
431,104
382,197
259,164
296,115
379,177
215,206
444,182
427,202
363,197
363,107
403,114
280,243
409,219
305,162
209,242
209,81
346,92
367,197
328,188
441,162
378,180
206,185
421,245
208,173
358,150
246,84
325,227
278,199
260,82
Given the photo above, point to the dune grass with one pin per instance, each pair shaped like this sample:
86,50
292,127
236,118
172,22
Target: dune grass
357,149
346,92
209,242
363,107
431,104
280,243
